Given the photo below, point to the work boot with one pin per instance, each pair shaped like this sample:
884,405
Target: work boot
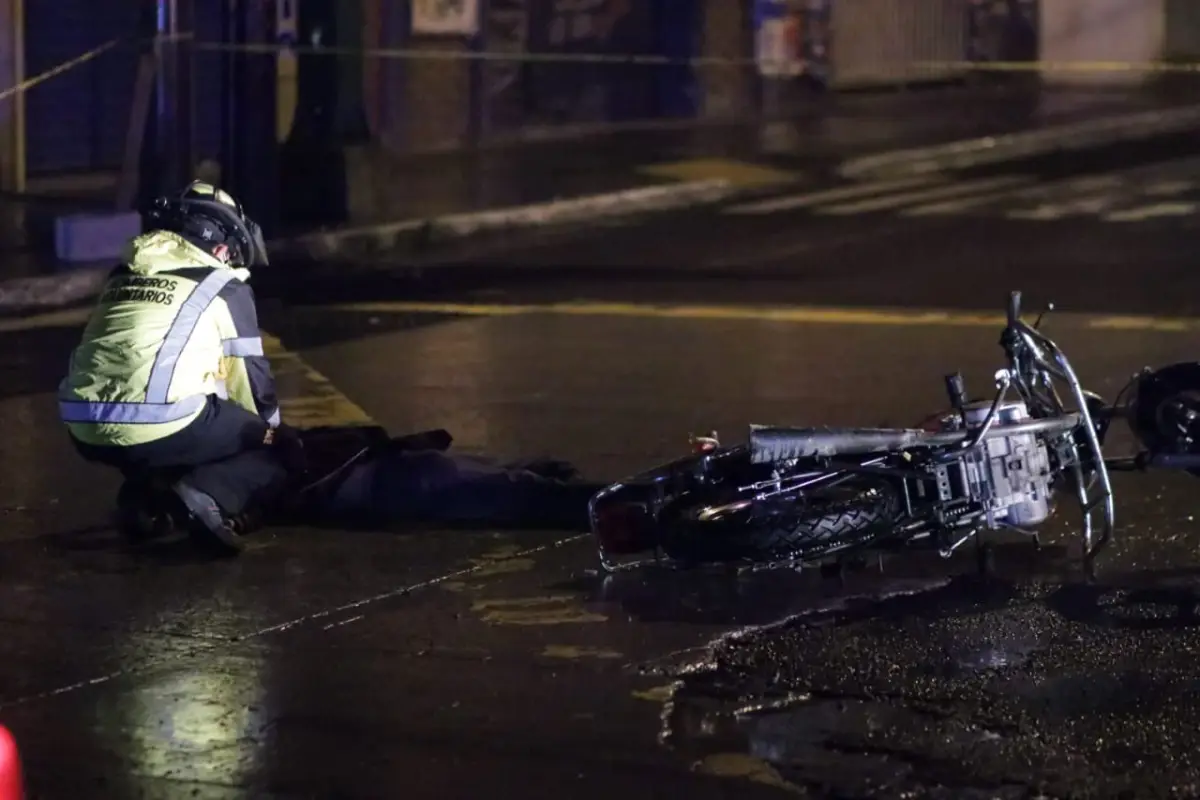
207,523
144,511
247,522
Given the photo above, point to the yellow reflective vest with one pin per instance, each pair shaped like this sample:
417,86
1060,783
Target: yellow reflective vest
165,335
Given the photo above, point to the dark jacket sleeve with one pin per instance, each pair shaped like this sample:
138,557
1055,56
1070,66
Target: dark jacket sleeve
247,345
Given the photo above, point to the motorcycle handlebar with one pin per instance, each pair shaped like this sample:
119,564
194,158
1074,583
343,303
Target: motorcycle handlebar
1014,307
1029,349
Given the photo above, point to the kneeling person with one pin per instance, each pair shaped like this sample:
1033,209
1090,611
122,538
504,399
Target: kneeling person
170,377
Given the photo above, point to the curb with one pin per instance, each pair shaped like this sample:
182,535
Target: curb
987,150
366,242
351,244
52,291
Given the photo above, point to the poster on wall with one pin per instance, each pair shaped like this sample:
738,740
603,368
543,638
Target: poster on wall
792,38
581,23
445,17
778,39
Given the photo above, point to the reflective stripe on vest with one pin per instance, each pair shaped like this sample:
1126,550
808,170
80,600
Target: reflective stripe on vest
156,408
243,346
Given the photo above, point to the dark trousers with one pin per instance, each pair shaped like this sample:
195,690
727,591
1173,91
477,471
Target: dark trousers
221,453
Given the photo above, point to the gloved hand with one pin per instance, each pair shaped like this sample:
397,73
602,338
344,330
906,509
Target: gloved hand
287,443
551,468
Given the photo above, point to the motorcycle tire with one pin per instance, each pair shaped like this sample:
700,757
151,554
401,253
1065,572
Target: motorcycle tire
848,515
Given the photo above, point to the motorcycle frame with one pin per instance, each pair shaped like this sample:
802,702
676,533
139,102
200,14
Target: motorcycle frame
1035,363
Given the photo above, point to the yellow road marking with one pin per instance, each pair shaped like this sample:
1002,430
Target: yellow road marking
306,397
1135,323
503,560
746,767
550,610
656,694
737,173
802,315
812,315
573,653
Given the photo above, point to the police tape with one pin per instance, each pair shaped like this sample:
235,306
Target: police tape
409,54
1060,66
422,54
29,83
79,60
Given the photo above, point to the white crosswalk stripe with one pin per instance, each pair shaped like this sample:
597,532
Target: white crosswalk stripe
963,188
960,205
1153,192
811,199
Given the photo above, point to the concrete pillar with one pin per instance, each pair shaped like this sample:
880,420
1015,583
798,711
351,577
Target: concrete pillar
329,119
12,121
1182,25
12,109
437,96
728,89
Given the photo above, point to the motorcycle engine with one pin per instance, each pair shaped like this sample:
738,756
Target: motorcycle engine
1010,475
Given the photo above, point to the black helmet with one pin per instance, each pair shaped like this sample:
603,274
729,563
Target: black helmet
211,217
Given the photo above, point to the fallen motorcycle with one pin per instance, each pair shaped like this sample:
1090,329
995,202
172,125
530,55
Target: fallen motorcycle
797,495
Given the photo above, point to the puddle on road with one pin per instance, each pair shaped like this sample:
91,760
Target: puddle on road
732,596
970,688
797,742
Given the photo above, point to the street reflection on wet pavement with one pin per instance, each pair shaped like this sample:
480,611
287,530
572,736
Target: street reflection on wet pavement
326,663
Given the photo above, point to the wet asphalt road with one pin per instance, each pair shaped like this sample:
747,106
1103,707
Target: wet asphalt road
1111,238
445,664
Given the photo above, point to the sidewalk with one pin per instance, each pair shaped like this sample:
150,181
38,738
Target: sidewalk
386,190
836,127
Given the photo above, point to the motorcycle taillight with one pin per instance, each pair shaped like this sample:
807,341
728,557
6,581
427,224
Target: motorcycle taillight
623,528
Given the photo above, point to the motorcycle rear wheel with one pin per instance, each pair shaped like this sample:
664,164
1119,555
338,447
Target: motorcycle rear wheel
851,514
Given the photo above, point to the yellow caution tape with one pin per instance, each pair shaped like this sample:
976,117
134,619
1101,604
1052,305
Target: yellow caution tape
1059,66
83,58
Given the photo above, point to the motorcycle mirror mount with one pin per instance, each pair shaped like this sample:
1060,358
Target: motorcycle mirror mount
1038,323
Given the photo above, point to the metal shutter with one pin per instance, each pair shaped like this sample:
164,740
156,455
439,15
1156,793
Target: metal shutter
77,121
886,41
